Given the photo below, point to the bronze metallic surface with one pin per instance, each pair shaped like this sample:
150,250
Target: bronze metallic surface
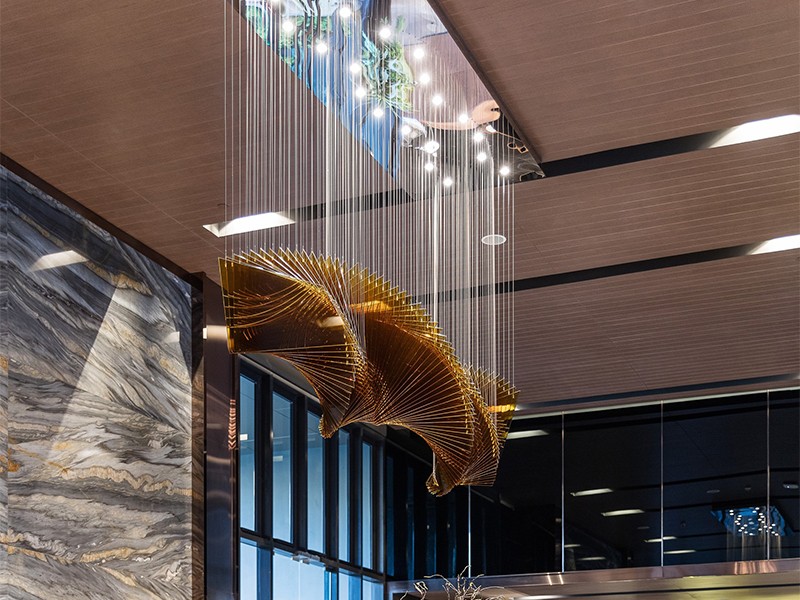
371,354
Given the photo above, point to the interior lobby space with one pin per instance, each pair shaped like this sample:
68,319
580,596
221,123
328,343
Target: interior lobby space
400,299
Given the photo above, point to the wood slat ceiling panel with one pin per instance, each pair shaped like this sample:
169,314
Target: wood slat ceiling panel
716,198
709,322
581,77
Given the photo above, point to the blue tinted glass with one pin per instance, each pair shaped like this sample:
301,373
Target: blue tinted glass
247,453
295,580
248,570
316,486
281,467
372,590
366,504
344,495
349,586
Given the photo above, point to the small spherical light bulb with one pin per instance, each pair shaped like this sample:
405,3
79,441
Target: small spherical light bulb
504,170
463,118
355,68
481,156
360,92
425,78
384,33
447,181
478,137
437,100
378,112
429,166
405,129
345,11
288,26
419,52
321,47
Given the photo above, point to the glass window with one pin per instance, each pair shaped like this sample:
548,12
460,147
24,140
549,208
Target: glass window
281,467
247,453
366,505
349,586
316,486
248,570
371,590
784,460
344,495
296,580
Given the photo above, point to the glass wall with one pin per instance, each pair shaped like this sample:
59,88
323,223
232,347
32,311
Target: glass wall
697,481
310,516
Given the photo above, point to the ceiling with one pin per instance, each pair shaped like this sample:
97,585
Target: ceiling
121,107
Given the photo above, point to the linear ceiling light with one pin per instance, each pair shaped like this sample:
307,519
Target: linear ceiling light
250,223
666,538
759,130
787,242
593,492
57,259
518,435
623,512
680,551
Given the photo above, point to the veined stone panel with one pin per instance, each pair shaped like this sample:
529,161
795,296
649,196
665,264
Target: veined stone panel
96,391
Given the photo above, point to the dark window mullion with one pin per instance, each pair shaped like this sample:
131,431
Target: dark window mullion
264,493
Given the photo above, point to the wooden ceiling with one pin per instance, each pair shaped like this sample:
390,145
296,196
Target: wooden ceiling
121,106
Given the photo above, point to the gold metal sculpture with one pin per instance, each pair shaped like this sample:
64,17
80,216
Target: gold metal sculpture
371,354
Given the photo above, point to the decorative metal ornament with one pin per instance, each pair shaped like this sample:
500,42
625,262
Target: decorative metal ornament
371,354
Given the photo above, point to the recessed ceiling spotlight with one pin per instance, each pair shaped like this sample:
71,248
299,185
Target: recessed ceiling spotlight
405,129
431,146
345,11
463,118
419,52
623,512
593,492
378,112
355,68
787,242
504,170
250,223
384,32
759,130
288,26
437,100
447,182
478,137
360,92
321,47
429,166
425,78
481,156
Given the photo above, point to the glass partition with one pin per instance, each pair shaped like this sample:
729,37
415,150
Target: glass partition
315,485
281,467
247,453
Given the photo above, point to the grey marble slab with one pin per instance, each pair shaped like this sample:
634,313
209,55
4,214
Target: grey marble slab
96,404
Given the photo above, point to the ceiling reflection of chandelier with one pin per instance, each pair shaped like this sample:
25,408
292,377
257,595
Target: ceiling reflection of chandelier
366,163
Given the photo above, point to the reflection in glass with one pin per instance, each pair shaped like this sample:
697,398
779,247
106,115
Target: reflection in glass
316,486
784,461
372,590
247,453
281,467
296,580
344,495
248,570
349,586
367,509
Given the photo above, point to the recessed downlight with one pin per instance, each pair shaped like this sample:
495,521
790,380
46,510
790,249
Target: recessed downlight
250,223
478,137
498,239
321,47
430,146
425,78
288,26
345,11
481,156
361,92
447,182
429,166
592,492
419,53
355,68
385,32
405,129
504,171
463,118
378,112
437,100
622,512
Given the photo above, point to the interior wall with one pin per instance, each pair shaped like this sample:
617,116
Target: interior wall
96,401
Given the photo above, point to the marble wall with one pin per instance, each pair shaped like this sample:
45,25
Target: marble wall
96,444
